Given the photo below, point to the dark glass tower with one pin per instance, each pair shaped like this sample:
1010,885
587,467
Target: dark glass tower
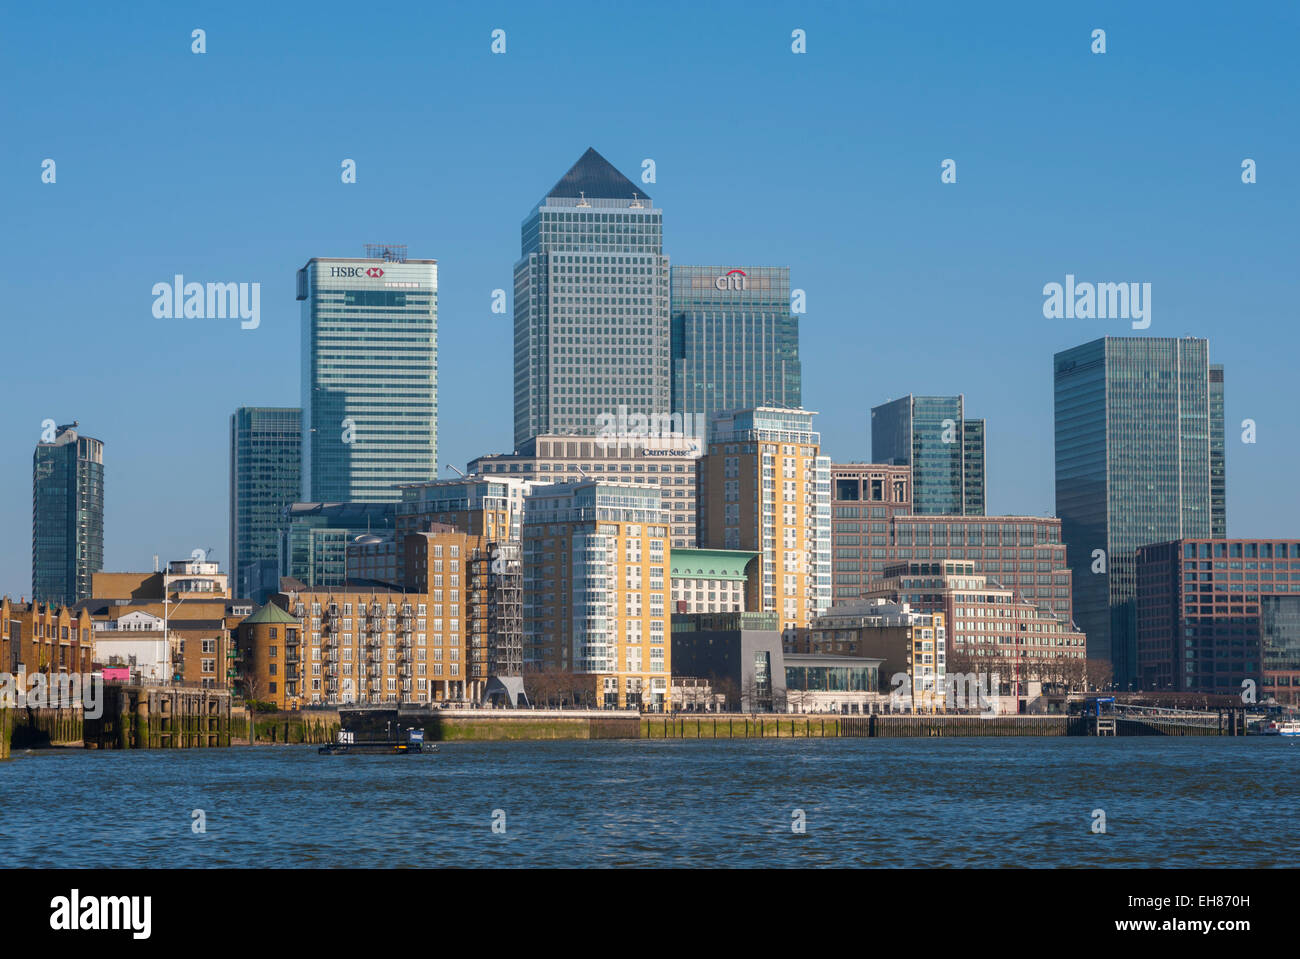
944,448
735,343
67,516
265,477
591,305
1135,462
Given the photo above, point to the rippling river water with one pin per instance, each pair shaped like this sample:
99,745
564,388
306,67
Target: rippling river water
865,802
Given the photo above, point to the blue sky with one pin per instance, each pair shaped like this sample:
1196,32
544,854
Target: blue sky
225,167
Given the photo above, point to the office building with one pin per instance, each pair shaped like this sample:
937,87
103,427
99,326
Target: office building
591,297
314,539
667,460
733,656
989,628
764,486
265,477
865,498
944,448
67,516
871,529
1136,463
369,375
1220,616
735,340
1218,457
911,646
595,561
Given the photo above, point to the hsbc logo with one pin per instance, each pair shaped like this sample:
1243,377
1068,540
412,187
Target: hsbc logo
373,272
731,280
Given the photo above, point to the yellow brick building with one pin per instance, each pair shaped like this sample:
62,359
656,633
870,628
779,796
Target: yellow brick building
764,486
596,557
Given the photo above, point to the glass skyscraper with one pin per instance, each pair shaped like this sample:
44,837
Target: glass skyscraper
1218,459
591,305
67,516
735,342
265,477
1136,461
314,538
369,376
944,448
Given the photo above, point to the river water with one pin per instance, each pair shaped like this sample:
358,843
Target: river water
744,803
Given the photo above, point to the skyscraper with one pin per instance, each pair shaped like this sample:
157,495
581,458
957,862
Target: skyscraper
369,375
764,486
591,305
735,341
67,516
1218,460
265,477
1135,464
944,448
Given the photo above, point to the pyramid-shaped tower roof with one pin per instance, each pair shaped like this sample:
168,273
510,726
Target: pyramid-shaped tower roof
596,178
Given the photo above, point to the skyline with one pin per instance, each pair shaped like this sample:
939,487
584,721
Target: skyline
1218,263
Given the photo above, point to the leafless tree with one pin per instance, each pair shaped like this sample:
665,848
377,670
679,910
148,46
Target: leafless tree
1099,673
729,690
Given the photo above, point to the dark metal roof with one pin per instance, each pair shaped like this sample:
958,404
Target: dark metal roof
595,177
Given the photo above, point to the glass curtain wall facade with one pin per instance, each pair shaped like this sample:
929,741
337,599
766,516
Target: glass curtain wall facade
1133,467
1218,458
735,343
945,450
369,377
67,517
265,477
591,305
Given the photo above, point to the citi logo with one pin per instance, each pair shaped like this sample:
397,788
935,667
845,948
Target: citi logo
731,280
102,913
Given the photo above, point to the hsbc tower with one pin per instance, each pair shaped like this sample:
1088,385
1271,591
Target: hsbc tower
369,376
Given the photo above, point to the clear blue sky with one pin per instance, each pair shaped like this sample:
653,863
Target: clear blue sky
225,167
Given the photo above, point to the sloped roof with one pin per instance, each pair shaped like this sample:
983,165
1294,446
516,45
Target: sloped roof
270,613
595,177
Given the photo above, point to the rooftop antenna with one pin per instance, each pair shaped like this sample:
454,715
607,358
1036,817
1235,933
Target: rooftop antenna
582,198
389,252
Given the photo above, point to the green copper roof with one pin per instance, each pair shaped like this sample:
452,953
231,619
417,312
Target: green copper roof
271,613
710,563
